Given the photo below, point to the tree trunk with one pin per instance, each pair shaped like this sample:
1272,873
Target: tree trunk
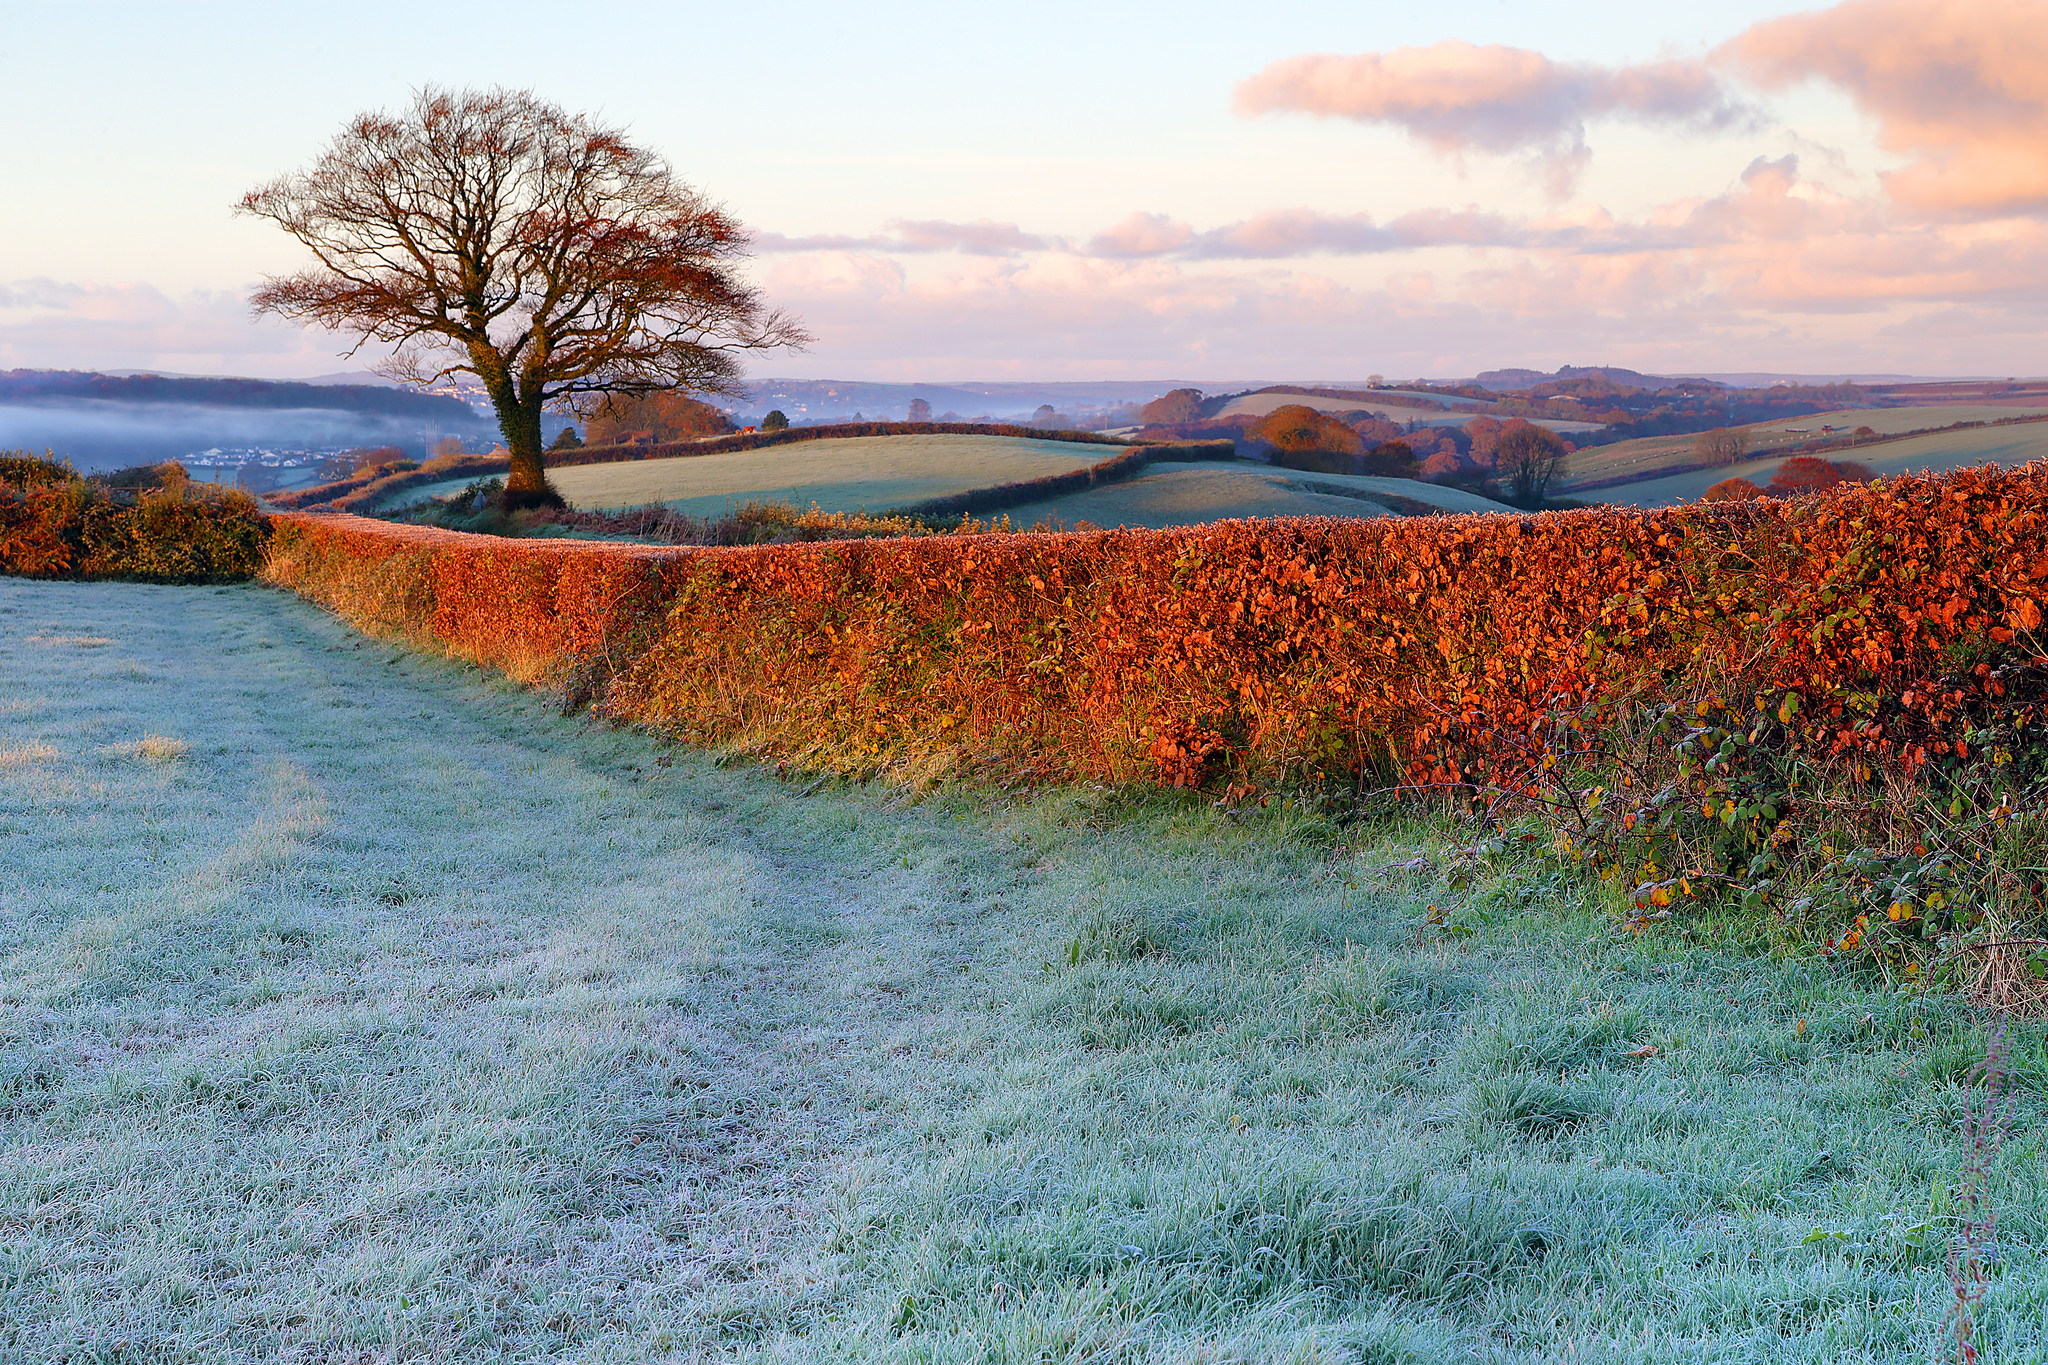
519,423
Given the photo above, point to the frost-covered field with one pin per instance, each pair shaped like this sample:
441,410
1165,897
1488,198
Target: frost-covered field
354,1007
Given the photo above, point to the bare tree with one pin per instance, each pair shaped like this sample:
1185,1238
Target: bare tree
1528,457
492,233
1722,445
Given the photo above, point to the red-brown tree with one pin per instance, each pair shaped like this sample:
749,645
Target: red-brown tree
1297,429
665,416
1812,474
1180,405
493,233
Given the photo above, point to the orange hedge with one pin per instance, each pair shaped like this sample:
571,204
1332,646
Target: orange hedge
1249,651
54,524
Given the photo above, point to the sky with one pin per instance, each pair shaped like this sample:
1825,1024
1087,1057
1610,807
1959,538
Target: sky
1107,191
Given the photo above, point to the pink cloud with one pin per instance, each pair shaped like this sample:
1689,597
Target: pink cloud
1458,97
54,324
1141,234
1960,87
981,238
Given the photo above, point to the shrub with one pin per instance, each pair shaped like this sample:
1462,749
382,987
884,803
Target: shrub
1737,489
149,523
1803,474
23,470
776,420
567,440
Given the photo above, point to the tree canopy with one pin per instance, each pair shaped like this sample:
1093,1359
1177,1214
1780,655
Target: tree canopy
665,416
1528,457
493,233
1812,474
1179,405
1297,428
1722,445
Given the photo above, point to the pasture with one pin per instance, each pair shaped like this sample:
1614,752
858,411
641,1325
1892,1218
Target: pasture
851,474
1650,453
1938,451
1190,494
355,1005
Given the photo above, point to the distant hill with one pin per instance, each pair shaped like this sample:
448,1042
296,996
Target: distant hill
100,421
58,386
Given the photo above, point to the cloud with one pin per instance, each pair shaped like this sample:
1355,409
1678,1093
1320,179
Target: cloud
1458,97
1960,87
54,324
981,238
1772,271
1141,234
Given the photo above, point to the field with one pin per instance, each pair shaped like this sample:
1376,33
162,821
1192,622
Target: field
1189,494
358,1007
1625,458
2007,446
858,473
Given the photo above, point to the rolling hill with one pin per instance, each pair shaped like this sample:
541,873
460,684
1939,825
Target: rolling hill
1593,471
847,474
1188,494
1937,451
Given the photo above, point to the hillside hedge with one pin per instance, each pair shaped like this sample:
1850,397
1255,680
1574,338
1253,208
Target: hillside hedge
1116,469
1246,652
160,529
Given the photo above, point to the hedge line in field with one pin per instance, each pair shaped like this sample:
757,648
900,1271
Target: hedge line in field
54,524
1250,651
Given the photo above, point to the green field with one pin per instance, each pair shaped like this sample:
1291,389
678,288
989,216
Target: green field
355,1006
1188,494
1602,463
2008,446
847,474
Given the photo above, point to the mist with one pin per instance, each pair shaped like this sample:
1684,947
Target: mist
110,435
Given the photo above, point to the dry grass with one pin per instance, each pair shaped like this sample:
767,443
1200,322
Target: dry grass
25,752
150,749
70,641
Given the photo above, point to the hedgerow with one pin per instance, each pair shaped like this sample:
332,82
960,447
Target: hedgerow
1885,631
1129,465
154,525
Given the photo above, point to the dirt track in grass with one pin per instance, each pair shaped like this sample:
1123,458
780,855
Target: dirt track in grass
354,1006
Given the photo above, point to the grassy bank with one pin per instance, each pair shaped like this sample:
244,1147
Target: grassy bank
354,1006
